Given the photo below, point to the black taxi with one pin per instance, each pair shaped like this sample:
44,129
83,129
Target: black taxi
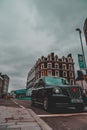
56,92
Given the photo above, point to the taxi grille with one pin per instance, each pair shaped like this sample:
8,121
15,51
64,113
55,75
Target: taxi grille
72,92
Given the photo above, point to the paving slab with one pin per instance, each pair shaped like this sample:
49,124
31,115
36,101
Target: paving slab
20,119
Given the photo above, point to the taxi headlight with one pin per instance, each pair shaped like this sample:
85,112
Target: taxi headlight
56,90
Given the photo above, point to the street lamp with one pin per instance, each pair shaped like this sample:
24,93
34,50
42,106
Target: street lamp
78,29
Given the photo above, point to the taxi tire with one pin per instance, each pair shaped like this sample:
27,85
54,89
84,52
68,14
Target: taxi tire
46,104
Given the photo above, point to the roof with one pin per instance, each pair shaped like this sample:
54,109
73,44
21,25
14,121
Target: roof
21,91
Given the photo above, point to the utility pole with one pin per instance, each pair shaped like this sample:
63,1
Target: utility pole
78,29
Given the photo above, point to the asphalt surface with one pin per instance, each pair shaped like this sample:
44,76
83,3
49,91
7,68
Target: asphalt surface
63,119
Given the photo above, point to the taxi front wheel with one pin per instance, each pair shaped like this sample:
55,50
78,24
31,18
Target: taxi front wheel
46,104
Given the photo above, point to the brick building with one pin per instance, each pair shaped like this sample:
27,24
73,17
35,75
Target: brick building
1,85
4,84
52,65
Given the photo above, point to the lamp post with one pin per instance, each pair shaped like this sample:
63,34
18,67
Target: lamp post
78,29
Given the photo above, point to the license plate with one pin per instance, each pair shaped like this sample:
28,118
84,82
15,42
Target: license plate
76,101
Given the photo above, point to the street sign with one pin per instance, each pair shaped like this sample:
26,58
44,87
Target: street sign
81,61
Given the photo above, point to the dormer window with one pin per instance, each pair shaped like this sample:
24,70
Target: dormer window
42,58
70,59
49,58
56,58
64,59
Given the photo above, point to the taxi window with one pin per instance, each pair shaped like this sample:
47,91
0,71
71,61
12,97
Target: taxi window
56,81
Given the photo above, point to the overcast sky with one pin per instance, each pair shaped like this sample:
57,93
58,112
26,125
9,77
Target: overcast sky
32,28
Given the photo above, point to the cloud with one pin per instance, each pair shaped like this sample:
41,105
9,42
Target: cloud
32,28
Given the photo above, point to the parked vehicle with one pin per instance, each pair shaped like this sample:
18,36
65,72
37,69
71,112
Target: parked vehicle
54,92
29,89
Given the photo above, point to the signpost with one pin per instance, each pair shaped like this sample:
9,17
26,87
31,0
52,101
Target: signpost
81,58
82,64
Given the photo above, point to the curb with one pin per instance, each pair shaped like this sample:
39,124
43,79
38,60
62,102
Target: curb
40,122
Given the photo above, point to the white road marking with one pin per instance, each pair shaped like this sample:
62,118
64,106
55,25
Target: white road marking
15,102
22,107
63,115
18,104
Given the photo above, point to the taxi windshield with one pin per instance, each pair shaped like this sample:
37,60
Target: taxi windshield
55,81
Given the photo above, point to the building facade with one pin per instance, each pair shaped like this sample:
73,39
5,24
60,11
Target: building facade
1,86
52,65
4,84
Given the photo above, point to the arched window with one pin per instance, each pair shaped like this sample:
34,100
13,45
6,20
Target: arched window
71,74
42,66
49,72
63,66
56,66
64,74
56,73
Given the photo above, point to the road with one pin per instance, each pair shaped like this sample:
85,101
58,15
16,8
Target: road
64,119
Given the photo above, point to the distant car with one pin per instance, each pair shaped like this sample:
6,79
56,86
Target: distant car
54,92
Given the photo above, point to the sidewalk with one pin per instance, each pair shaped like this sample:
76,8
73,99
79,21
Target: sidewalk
12,118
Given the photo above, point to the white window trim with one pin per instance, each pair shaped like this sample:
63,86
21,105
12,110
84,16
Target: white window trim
56,58
65,74
71,74
42,73
49,72
57,66
70,59
70,67
42,66
57,72
63,66
50,65
71,81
